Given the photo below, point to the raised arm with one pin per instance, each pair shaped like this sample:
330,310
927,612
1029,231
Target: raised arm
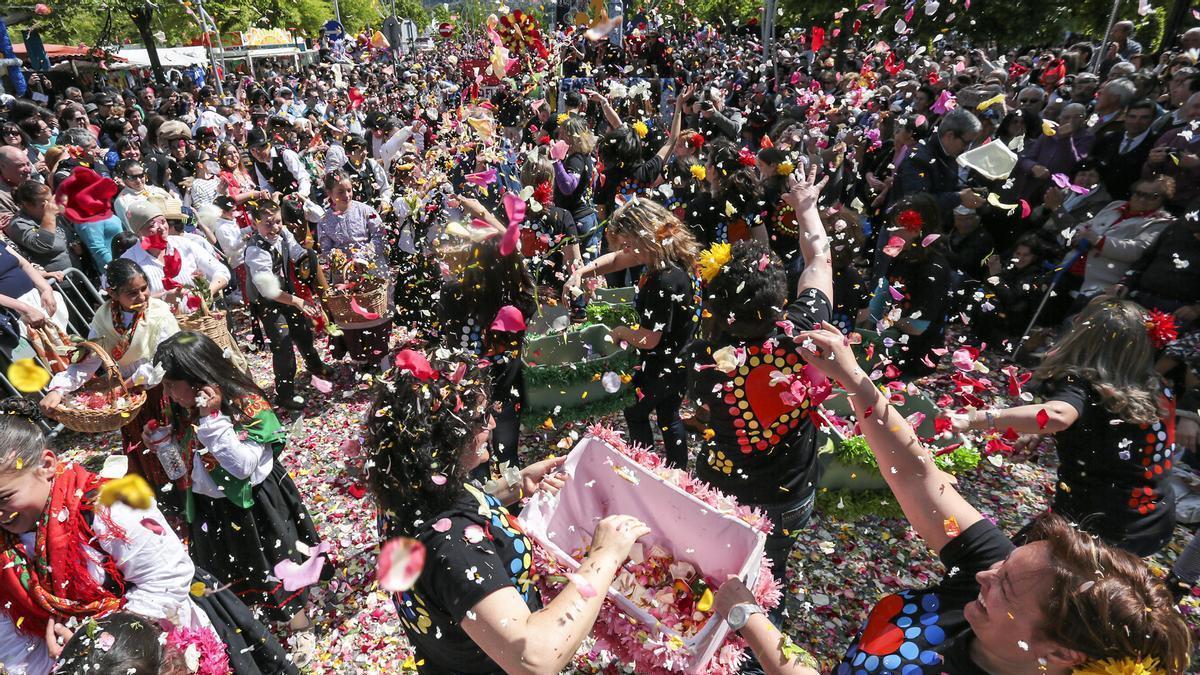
814,244
929,497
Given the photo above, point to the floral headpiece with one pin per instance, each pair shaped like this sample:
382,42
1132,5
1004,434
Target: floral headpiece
910,220
639,127
699,172
696,141
746,157
785,168
203,652
1161,328
713,260
1126,666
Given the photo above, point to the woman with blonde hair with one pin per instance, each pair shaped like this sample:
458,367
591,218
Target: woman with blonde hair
1113,422
643,232
574,180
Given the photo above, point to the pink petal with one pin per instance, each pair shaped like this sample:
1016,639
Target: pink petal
893,247
1025,210
584,586
400,563
1061,180
514,206
415,362
558,150
323,386
442,525
474,534
509,320
896,294
962,360
929,239
509,243
295,577
482,178
152,525
358,309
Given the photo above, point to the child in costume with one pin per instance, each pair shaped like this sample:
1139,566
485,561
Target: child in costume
244,511
275,299
129,326
66,557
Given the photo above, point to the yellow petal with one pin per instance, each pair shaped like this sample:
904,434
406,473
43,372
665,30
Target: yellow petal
131,489
27,376
198,589
1048,127
705,602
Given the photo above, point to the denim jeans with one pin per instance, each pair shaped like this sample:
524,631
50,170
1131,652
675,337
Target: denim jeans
787,520
591,236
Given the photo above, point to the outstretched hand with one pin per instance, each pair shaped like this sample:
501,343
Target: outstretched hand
804,191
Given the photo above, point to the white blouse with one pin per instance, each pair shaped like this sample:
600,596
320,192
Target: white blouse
193,257
158,576
241,458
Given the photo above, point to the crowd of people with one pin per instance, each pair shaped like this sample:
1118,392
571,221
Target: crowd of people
404,217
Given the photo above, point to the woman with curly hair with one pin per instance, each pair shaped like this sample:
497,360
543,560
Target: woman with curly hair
1113,423
763,448
474,607
643,233
471,301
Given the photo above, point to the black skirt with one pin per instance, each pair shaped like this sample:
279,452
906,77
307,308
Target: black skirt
251,648
242,546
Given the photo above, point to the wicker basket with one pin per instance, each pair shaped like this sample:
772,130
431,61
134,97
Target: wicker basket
371,297
203,321
111,417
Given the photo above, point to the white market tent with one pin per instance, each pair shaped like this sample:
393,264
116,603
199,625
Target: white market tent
171,57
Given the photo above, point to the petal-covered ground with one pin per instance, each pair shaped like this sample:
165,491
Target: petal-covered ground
855,550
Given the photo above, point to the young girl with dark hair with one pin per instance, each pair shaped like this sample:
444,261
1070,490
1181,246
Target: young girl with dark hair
549,235
470,302
1113,423
129,326
66,557
643,233
626,173
243,510
731,209
474,607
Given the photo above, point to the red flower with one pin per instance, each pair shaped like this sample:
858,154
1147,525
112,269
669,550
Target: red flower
746,157
696,141
543,193
1161,328
910,220
193,303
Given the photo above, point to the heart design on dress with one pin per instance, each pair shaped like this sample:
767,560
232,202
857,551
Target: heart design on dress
882,637
760,415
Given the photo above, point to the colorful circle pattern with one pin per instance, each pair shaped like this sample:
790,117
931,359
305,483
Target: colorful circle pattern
900,640
751,395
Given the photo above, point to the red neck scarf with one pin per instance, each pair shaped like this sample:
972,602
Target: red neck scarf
53,579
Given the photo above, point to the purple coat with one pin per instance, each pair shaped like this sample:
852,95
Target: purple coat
1057,153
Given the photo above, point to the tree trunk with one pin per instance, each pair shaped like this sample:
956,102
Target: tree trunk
1175,19
142,19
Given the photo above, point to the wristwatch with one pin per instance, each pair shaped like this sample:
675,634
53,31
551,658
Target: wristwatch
740,613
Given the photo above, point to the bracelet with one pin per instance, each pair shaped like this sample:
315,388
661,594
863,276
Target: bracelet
991,417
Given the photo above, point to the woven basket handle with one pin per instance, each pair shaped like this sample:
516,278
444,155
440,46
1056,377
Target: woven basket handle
106,360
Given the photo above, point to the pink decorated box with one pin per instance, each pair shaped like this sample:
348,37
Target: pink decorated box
603,481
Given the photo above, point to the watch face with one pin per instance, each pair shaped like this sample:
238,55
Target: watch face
737,616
